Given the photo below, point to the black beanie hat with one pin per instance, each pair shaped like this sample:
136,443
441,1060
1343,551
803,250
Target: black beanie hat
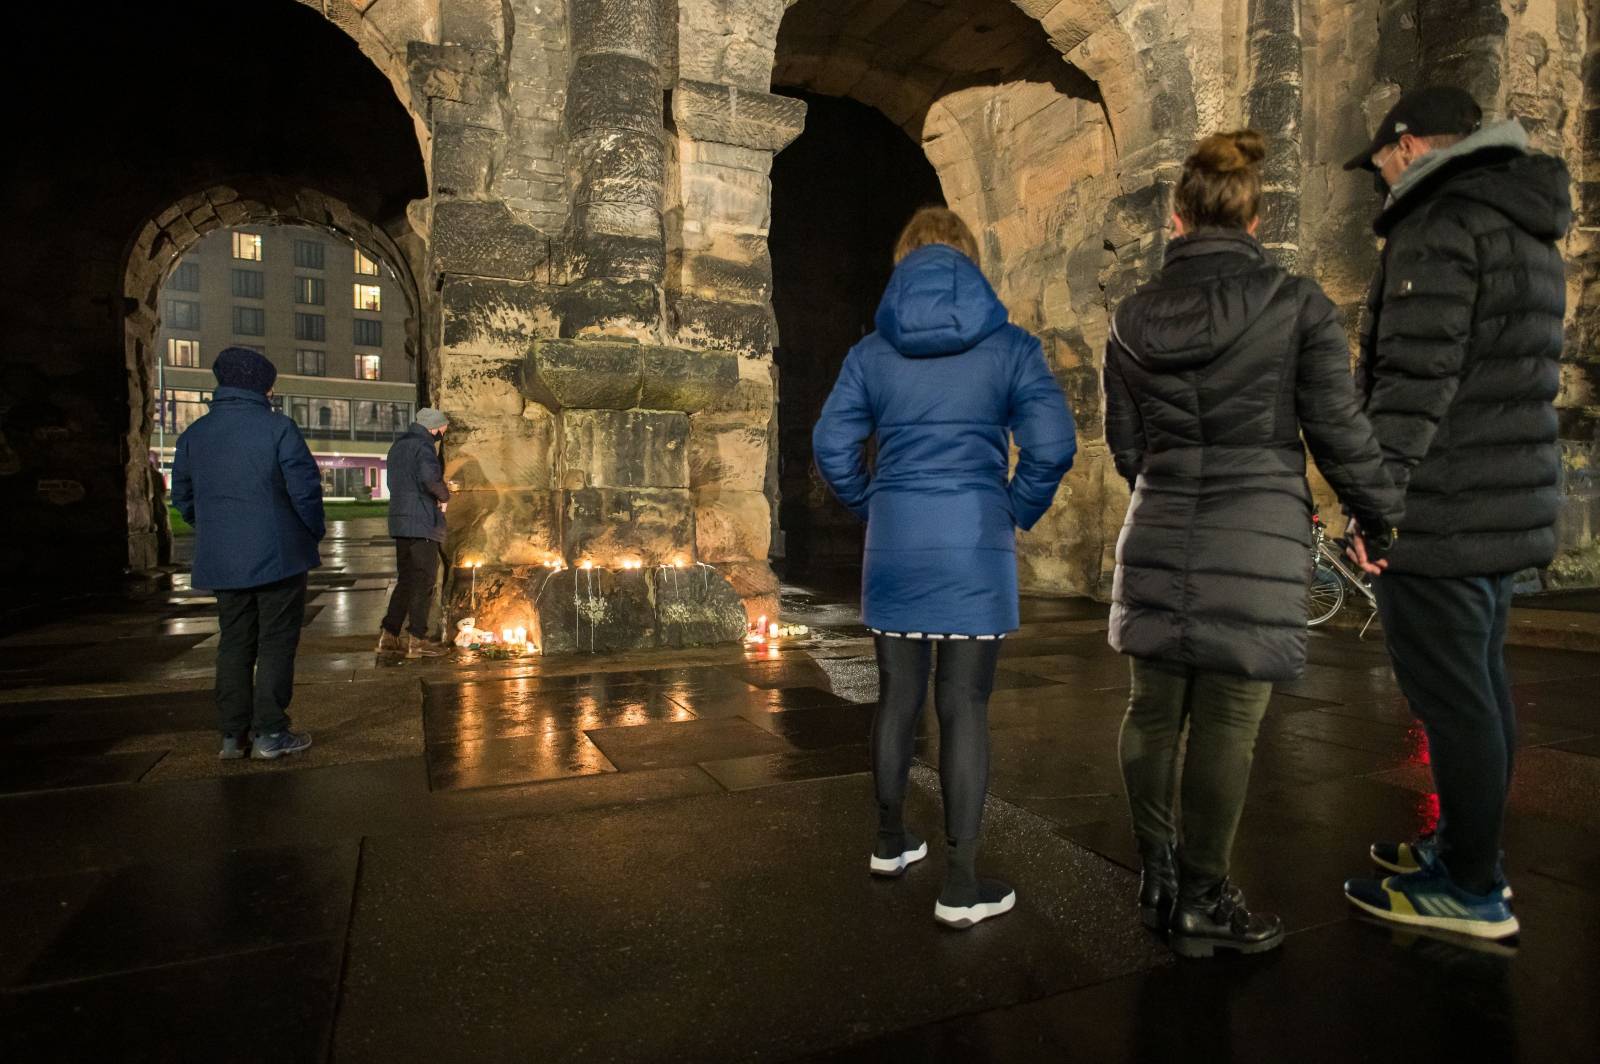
240,367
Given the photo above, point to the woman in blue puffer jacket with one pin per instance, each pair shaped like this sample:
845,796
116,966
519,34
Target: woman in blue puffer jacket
947,384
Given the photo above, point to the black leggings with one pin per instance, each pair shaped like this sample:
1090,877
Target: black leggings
961,698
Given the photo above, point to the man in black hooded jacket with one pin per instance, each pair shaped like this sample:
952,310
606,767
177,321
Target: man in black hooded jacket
1460,363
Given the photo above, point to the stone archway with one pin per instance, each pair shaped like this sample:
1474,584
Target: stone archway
189,131
166,238
1054,128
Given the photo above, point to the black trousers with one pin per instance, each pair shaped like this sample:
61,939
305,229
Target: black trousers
962,684
418,563
260,632
1447,638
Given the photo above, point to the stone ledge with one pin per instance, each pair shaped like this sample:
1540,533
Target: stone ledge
727,115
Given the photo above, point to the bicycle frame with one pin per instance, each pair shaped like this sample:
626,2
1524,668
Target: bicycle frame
1351,576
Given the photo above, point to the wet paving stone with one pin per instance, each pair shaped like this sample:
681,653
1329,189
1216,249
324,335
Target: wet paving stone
468,719
461,943
759,702
271,1006
688,743
46,770
769,770
558,752
819,727
147,916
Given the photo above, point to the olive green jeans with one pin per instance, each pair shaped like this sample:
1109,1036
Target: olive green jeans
1223,713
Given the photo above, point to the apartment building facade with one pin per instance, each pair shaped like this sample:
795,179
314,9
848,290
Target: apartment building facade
331,317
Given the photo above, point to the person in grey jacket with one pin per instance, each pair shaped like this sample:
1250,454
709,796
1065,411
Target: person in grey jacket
418,496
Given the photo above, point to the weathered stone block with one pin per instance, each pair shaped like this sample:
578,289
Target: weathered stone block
585,374
617,26
501,451
611,308
728,452
696,606
620,257
486,240
590,611
504,527
741,327
467,78
463,157
481,386
732,525
756,584
624,449
676,378
497,319
620,167
608,526
729,115
608,91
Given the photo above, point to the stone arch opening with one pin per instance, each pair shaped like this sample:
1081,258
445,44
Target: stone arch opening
840,194
1028,150
190,130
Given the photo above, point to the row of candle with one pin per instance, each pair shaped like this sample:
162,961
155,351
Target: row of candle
586,564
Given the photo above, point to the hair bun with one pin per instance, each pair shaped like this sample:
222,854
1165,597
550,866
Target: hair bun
1226,153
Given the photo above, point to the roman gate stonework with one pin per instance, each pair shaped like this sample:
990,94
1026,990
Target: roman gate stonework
581,192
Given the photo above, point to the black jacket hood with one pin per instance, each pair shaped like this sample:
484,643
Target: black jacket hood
1213,285
1533,190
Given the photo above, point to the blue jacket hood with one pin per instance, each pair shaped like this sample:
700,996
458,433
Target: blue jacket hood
938,303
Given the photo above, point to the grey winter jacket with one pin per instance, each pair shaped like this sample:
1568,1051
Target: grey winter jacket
416,487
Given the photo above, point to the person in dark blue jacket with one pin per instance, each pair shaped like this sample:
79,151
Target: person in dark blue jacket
947,384
244,478
417,499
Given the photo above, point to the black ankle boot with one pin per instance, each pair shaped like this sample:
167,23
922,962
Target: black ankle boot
1211,915
1158,884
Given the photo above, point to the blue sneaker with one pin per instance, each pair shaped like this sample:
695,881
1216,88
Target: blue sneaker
1427,898
234,747
1407,857
279,743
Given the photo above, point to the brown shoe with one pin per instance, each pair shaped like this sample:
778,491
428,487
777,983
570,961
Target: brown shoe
389,643
424,648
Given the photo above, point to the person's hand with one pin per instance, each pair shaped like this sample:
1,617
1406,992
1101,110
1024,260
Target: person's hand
443,507
1357,551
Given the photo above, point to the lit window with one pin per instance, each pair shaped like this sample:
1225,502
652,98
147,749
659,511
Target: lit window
183,352
309,254
310,291
368,333
369,297
311,363
182,314
310,327
186,278
369,368
249,321
365,266
247,246
249,284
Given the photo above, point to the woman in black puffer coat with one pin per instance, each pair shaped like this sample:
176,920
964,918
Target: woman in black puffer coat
1213,372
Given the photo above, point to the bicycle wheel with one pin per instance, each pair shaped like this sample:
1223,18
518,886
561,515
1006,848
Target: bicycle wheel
1325,595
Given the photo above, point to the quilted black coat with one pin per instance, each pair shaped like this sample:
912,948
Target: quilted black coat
1213,372
1461,349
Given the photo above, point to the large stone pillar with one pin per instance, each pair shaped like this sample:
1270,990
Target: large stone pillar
719,298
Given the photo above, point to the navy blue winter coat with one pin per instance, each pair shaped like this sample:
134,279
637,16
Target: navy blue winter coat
416,487
944,382
244,478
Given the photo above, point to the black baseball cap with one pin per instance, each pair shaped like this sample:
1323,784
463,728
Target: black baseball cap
1424,112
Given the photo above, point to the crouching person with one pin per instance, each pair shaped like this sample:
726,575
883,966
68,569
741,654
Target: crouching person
244,478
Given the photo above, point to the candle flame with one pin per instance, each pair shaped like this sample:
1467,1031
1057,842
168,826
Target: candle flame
587,564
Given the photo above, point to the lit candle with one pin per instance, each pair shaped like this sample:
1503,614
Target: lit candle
677,563
505,635
772,629
522,635
587,564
